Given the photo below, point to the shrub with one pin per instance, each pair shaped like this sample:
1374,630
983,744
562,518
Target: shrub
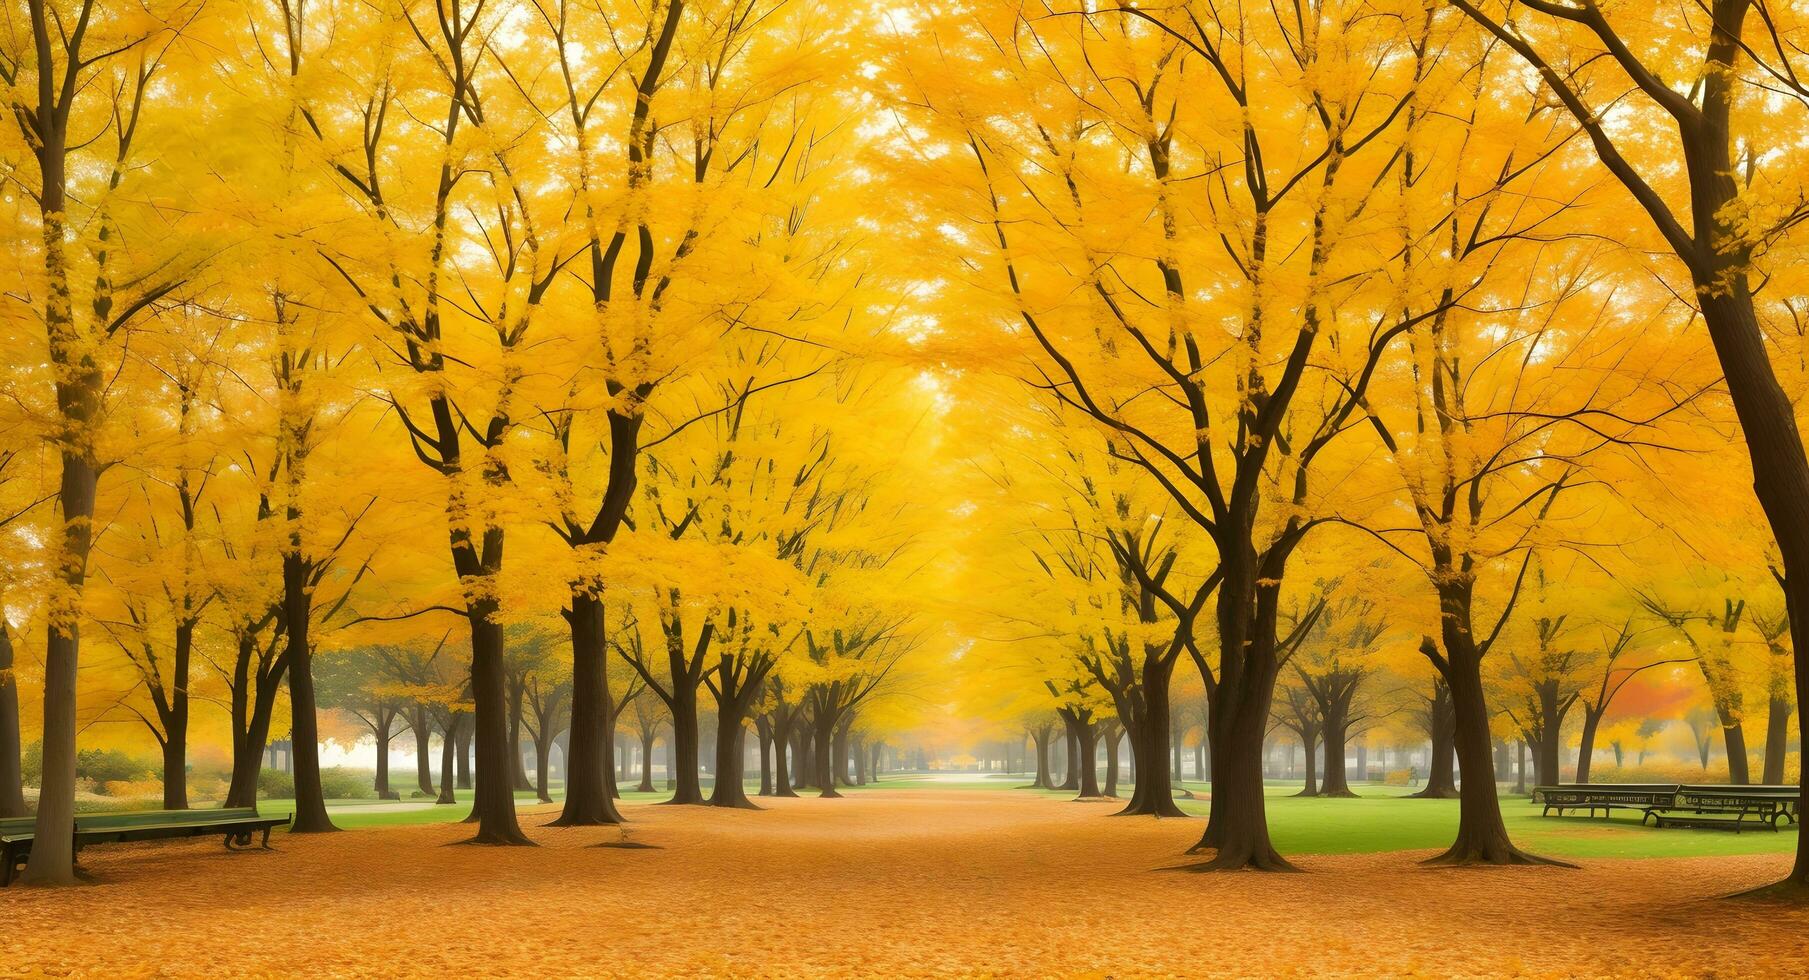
1680,772
340,783
275,784
31,763
131,789
111,765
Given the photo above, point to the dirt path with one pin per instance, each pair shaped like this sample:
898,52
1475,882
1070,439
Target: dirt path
888,883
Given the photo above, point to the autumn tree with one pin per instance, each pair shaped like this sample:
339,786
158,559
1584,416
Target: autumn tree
1742,74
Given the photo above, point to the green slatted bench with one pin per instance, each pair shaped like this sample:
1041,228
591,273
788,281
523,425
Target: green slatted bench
236,825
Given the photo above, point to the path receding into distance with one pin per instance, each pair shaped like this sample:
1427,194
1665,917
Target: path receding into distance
923,881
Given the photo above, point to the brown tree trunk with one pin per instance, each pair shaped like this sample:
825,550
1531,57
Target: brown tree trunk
1739,770
382,732
298,610
12,785
493,806
463,762
840,746
518,771
685,737
781,763
1113,734
1441,775
1482,837
588,802
254,701
1087,734
1586,749
448,749
1041,738
763,727
543,762
1308,740
1337,778
728,790
1777,740
825,755
175,774
1153,794
423,727
646,785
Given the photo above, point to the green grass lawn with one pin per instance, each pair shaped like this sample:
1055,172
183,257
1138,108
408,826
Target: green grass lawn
1383,818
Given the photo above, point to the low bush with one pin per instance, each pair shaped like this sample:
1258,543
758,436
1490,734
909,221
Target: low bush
131,789
1680,772
112,765
275,784
340,783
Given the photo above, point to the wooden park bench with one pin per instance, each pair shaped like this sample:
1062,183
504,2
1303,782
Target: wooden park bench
1729,807
1606,797
236,825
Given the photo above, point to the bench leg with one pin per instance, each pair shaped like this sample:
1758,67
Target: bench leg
267,846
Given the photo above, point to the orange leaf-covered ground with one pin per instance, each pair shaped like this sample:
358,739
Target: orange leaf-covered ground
885,883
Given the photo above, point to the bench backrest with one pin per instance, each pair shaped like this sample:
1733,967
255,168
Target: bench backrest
127,819
1618,787
1741,792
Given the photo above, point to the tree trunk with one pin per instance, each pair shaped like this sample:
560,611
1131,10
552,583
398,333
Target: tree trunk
1111,747
764,729
646,785
1241,839
254,701
1482,837
1070,754
1520,767
1777,739
1042,760
423,726
304,726
685,738
1087,734
175,769
805,756
1586,749
840,746
781,761
825,754
493,807
448,749
1337,777
175,722
1441,777
588,802
1153,794
1308,740
381,783
1739,772
463,762
728,790
518,772
543,761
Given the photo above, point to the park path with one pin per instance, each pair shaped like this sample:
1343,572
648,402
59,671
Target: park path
909,882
